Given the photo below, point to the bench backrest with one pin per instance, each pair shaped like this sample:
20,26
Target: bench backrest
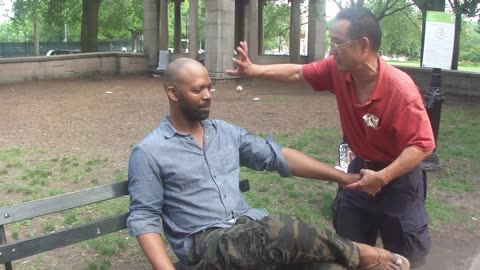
11,251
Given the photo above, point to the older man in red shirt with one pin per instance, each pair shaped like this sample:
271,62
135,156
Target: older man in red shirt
386,125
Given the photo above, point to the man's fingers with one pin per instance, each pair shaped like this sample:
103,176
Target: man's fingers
243,54
356,185
244,46
232,72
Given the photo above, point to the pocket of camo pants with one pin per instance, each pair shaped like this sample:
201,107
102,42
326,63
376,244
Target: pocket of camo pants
244,248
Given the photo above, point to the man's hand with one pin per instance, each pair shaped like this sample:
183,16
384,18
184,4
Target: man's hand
350,178
371,182
245,67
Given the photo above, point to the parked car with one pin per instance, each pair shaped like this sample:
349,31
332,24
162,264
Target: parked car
59,52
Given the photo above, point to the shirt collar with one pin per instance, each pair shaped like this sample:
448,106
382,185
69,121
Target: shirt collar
169,130
380,86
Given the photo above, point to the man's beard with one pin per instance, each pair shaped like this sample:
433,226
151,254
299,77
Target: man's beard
195,114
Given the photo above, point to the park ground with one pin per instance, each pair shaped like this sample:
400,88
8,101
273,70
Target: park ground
63,135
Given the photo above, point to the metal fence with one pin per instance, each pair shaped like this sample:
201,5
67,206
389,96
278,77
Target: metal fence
9,48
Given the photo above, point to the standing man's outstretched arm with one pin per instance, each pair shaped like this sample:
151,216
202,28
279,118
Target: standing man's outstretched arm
280,72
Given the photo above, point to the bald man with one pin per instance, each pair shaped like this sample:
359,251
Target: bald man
184,175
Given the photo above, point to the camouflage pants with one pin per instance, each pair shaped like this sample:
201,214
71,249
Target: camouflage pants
275,242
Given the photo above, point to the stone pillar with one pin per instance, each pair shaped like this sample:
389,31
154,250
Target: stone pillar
163,26
177,34
150,31
239,21
316,30
219,47
261,36
193,35
295,29
252,29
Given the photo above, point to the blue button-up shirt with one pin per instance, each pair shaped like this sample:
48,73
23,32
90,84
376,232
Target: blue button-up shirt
189,188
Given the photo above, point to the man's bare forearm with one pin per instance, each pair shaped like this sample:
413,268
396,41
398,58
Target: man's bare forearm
279,72
155,251
305,166
408,159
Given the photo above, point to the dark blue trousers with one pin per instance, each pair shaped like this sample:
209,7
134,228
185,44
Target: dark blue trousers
397,213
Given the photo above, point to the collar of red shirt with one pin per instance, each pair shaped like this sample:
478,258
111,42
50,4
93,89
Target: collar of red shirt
381,83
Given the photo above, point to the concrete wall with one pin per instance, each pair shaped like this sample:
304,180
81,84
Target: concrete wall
70,66
278,59
460,83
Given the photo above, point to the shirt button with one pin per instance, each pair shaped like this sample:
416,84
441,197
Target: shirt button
224,196
232,214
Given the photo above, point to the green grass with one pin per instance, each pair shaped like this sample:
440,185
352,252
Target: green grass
121,175
458,149
102,265
23,178
26,176
306,199
109,245
440,212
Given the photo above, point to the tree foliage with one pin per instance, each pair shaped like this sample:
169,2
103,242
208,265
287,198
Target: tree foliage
469,40
24,12
185,23
276,25
120,19
401,28
382,8
400,22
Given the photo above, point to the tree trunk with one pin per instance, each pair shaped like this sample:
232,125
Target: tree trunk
36,38
89,35
422,43
134,41
456,41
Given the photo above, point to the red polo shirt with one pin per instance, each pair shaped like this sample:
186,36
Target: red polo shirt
396,101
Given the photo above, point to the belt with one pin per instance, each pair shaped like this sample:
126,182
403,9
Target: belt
375,165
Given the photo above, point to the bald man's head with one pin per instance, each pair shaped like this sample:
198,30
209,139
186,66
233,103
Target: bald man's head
178,70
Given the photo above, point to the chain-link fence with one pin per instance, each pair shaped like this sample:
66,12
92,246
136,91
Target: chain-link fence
15,46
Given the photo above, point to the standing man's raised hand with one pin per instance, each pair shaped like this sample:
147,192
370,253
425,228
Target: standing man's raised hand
245,67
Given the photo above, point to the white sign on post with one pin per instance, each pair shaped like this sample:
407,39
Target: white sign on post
439,36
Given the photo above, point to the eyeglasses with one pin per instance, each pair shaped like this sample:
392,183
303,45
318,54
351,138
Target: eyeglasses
334,46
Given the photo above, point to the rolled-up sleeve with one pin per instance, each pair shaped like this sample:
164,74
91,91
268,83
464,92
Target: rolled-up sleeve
146,194
262,154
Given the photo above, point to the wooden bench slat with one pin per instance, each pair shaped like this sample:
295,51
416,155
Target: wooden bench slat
10,214
32,246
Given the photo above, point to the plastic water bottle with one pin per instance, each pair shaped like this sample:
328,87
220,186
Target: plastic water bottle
345,155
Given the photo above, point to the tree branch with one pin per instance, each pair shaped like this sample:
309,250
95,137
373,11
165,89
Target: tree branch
338,3
394,11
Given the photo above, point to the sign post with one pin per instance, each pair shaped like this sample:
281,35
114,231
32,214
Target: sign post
437,54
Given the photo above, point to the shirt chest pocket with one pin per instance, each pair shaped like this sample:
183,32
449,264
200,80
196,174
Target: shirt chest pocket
381,137
224,160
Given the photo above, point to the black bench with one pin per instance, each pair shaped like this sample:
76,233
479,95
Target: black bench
14,250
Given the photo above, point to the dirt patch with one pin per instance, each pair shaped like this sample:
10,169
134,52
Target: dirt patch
107,116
